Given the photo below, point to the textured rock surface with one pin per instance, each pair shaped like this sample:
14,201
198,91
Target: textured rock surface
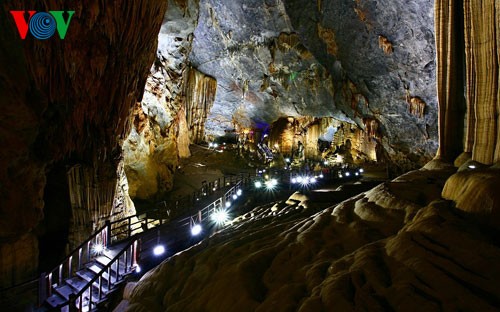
173,111
262,70
371,82
475,191
394,248
59,107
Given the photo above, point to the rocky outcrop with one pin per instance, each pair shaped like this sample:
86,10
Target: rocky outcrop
172,113
396,247
381,56
263,71
66,102
322,139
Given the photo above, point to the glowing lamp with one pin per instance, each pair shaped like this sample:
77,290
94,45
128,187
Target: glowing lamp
220,216
159,250
98,249
196,229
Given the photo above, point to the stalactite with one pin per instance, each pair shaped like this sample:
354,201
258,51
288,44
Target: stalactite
385,45
200,95
416,106
92,194
371,127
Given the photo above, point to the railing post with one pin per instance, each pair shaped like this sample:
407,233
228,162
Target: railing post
72,303
42,288
108,233
79,258
60,273
70,260
130,225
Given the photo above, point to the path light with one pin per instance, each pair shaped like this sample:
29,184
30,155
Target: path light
98,249
361,170
159,250
196,229
271,184
258,184
347,174
239,192
220,216
235,196
228,204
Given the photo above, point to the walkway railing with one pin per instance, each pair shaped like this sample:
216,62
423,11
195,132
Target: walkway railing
121,230
85,252
110,275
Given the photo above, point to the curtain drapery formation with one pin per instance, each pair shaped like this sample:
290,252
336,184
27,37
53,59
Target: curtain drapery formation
474,23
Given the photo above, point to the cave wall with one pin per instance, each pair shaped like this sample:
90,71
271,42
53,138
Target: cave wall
381,55
163,125
66,102
263,71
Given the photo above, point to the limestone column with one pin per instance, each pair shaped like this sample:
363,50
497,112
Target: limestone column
449,50
485,65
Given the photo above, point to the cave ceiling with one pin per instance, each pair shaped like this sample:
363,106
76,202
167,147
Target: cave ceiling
262,69
351,60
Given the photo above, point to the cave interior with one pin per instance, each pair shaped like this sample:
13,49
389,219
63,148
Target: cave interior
363,135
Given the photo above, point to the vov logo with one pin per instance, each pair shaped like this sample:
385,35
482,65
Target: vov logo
42,25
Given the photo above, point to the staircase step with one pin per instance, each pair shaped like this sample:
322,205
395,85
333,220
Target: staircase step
65,291
56,301
92,271
95,268
103,260
76,283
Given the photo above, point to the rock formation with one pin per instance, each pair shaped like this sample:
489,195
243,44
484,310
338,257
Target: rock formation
424,241
397,247
379,50
65,103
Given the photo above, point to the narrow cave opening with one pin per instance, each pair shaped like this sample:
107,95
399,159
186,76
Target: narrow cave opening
54,229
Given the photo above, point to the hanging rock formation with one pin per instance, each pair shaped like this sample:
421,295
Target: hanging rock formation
60,109
160,132
377,52
263,71
199,93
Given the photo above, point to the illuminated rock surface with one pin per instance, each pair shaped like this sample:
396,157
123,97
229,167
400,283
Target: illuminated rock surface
397,247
